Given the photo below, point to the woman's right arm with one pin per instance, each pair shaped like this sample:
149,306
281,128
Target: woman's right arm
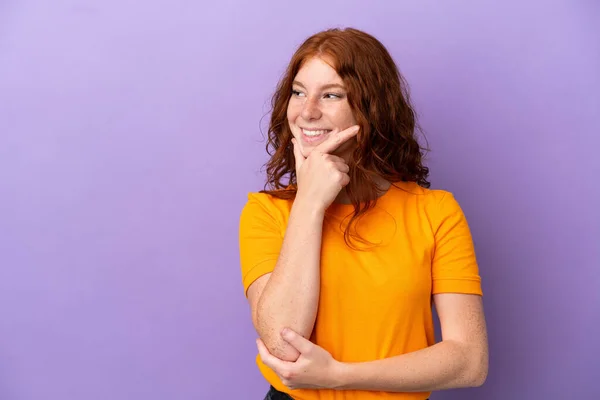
289,296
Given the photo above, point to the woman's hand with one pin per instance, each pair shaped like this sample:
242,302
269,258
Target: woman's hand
322,175
314,369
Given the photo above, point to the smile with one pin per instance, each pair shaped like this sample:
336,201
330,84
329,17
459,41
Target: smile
315,132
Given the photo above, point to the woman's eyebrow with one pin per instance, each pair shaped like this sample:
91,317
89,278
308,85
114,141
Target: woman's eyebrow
328,86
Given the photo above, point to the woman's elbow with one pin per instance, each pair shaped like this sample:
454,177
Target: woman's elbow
273,340
480,371
280,348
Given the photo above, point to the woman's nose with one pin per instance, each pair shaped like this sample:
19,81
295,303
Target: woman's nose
311,110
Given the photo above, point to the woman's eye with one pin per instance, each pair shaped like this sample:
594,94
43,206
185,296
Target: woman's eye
298,93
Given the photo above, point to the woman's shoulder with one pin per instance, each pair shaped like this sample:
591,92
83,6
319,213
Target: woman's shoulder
272,197
272,202
428,199
411,189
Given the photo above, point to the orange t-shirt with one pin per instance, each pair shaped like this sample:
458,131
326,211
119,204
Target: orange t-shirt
377,303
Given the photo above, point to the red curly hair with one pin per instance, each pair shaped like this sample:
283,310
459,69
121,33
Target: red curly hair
378,96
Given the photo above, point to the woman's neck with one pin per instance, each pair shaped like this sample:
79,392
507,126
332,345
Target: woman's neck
382,185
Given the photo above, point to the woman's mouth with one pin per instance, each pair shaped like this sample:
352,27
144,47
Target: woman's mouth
314,135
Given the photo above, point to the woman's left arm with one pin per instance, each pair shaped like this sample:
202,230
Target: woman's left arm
459,360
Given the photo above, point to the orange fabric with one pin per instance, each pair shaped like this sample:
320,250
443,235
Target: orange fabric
373,304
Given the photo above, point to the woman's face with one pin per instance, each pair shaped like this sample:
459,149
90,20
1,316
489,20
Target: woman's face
319,106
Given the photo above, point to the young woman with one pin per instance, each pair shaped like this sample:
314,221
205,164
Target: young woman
344,256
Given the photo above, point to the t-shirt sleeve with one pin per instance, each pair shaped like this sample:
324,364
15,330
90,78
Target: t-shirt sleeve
454,266
260,239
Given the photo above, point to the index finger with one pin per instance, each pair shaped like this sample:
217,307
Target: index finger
337,139
299,342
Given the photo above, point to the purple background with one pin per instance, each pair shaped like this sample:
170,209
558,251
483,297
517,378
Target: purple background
130,134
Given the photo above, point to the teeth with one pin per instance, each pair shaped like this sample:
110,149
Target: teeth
314,133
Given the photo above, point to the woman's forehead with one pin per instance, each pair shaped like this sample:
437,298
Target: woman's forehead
317,72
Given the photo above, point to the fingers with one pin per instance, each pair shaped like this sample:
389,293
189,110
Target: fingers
283,369
334,158
337,139
342,167
344,180
338,162
268,359
297,341
297,154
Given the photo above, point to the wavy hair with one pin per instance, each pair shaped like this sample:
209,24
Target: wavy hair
379,99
